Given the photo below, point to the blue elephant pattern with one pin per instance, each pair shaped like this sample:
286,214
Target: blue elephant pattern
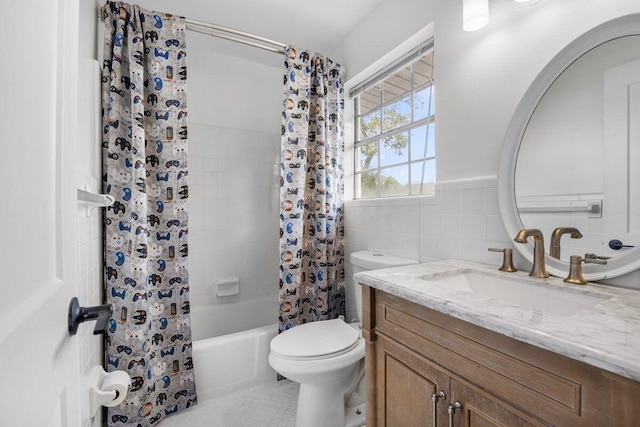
146,230
311,190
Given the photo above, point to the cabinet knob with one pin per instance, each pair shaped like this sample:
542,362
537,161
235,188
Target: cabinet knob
451,409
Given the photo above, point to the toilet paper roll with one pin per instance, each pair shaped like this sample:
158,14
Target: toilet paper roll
118,381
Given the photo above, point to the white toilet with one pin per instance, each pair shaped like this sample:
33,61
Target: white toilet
327,359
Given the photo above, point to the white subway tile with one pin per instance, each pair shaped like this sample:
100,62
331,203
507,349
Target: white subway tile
472,202
473,227
450,202
450,225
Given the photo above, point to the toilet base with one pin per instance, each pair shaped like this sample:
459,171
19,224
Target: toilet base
355,417
313,409
317,408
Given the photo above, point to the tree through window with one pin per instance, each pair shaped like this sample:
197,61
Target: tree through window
395,140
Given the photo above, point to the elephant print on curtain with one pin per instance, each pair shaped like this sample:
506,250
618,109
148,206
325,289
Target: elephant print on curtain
311,190
145,170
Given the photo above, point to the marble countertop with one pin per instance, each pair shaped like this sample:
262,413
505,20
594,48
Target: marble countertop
606,334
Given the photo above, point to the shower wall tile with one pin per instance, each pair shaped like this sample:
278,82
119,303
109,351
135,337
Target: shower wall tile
89,274
233,211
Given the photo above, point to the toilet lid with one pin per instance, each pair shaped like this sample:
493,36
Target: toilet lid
315,339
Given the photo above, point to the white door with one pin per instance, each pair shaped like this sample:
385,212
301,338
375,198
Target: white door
621,210
39,368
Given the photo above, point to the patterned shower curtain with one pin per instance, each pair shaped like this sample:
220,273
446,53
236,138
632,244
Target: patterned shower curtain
145,170
311,190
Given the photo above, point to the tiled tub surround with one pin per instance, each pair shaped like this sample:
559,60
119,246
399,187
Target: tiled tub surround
606,335
233,212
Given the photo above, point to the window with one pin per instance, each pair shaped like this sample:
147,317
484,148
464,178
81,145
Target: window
395,130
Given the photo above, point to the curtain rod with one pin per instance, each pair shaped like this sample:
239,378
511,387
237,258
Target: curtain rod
219,31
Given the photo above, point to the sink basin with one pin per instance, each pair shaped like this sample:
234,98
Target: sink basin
560,301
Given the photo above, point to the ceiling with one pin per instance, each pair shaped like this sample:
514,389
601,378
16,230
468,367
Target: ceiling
316,26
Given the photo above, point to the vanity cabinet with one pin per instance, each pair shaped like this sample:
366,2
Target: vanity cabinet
421,363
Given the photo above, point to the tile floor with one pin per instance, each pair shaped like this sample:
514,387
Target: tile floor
268,405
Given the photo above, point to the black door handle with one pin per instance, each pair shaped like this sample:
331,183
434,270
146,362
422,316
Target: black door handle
77,315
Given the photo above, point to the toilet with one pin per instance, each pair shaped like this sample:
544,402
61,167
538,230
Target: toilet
327,359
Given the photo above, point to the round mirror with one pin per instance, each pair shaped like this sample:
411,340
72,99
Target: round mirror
571,156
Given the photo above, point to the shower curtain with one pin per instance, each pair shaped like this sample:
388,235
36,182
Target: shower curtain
145,170
311,190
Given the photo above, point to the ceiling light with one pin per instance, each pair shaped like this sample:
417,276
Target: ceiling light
475,14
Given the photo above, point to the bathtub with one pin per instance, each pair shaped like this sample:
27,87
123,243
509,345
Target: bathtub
231,345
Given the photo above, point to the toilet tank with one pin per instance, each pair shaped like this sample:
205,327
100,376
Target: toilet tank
372,260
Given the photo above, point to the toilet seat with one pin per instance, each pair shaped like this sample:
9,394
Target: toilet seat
316,340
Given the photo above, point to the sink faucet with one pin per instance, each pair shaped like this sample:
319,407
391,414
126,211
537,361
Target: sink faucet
554,248
538,269
575,269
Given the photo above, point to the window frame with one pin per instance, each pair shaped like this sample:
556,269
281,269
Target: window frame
427,122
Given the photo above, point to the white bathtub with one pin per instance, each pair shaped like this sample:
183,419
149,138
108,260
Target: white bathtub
231,345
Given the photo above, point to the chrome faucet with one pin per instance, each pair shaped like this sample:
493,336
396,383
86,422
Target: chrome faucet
554,248
538,269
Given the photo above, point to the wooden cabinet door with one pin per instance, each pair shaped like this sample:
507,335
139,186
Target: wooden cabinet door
480,411
405,385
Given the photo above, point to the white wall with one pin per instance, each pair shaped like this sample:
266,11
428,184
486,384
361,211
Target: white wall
494,65
480,78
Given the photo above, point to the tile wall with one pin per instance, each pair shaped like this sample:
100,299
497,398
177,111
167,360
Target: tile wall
461,221
234,184
89,281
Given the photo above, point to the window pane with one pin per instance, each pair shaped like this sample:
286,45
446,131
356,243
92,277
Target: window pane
367,156
423,103
396,114
390,157
423,70
394,149
369,100
397,84
368,184
394,181
423,142
369,125
423,177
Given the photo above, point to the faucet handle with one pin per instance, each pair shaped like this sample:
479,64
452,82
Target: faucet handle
575,268
507,259
590,256
598,260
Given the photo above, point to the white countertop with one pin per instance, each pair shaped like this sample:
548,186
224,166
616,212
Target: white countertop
606,335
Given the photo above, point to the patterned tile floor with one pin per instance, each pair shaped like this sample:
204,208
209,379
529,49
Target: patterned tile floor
268,405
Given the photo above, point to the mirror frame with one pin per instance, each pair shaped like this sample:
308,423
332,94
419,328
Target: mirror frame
619,27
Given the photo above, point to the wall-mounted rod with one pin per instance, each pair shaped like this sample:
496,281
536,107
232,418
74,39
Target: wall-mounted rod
97,199
593,207
243,36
